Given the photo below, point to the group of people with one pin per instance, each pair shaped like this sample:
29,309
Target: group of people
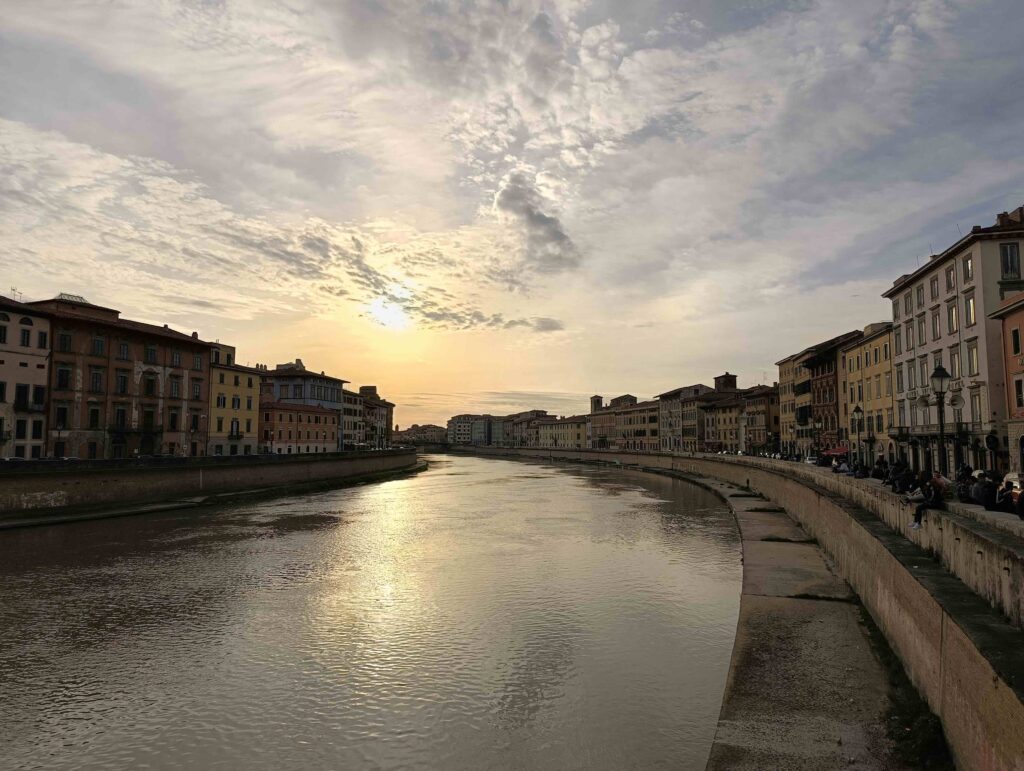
928,490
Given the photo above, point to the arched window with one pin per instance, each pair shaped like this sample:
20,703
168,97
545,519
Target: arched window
4,317
26,321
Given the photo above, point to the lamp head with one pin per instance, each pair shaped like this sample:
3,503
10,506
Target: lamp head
858,411
940,380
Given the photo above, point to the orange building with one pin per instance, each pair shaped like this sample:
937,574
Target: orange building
1011,314
290,429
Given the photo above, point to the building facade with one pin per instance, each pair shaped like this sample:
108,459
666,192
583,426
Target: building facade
291,429
677,418
759,425
292,383
121,388
566,432
234,404
1010,314
378,418
941,316
460,429
24,379
866,385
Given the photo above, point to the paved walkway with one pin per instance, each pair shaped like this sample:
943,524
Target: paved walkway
805,689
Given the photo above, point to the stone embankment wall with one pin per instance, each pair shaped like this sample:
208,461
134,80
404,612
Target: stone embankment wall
46,489
963,653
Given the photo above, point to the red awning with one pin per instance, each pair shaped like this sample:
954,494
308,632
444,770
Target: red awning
837,451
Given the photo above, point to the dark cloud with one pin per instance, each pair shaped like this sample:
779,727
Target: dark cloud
548,248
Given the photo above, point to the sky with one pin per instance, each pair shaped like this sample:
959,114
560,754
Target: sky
498,206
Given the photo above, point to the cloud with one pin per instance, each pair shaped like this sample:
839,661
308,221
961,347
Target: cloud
548,248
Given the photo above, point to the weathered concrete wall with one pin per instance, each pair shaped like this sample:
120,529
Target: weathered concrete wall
962,656
120,484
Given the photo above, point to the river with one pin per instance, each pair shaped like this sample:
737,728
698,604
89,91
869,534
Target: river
484,614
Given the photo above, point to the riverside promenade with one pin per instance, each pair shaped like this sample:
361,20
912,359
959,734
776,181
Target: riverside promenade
947,598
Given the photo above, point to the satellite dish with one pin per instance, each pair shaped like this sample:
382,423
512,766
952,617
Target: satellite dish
923,402
956,401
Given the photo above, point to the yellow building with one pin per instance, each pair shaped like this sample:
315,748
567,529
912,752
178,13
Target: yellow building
568,432
234,404
868,374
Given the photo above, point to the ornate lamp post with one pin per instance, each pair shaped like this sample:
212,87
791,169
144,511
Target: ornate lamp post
858,413
817,436
940,384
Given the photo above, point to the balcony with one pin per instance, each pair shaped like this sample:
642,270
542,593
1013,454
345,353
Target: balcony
5,436
234,436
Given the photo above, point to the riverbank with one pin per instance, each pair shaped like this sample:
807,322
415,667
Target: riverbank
63,515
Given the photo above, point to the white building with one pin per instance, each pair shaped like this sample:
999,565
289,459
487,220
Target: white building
940,316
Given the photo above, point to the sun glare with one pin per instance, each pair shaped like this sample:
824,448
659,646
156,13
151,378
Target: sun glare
388,314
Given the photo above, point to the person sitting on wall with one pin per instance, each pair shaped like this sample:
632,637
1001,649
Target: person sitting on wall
1004,498
978,489
989,492
933,499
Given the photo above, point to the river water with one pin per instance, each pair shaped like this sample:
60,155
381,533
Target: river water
485,614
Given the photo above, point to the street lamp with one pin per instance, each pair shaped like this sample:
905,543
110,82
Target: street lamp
817,435
857,414
940,384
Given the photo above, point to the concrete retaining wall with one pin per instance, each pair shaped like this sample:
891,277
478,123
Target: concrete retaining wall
963,656
119,484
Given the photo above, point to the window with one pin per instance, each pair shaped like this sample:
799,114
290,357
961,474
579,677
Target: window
122,381
888,384
920,296
954,363
3,392
197,391
874,355
236,402
42,340
972,359
933,286
176,387
1018,391
98,346
910,336
237,381
26,337
149,355
976,407
952,321
1009,260
172,418
96,381
37,429
61,417
150,386
194,423
922,331
38,395
911,376
923,365
20,429
899,378
64,342
3,334
885,351
220,378
968,263
969,318
248,402
897,339
197,362
220,425
950,278
122,351
120,417
297,391
936,325
1015,341
94,417
175,358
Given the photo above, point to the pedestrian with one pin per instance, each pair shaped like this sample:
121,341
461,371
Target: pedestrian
1004,497
933,499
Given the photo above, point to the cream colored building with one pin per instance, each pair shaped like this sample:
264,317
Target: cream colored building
568,432
234,404
866,381
24,377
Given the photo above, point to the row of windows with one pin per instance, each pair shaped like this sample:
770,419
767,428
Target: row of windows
98,347
94,419
22,391
873,356
293,418
248,383
318,435
25,337
967,264
919,374
149,384
236,402
920,415
952,325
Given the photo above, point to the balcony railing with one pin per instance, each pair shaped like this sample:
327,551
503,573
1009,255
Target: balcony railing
5,436
116,429
235,435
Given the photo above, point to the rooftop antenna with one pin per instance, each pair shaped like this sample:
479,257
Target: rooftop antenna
16,295
958,230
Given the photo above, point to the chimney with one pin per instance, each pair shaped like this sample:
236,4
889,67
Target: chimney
195,335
